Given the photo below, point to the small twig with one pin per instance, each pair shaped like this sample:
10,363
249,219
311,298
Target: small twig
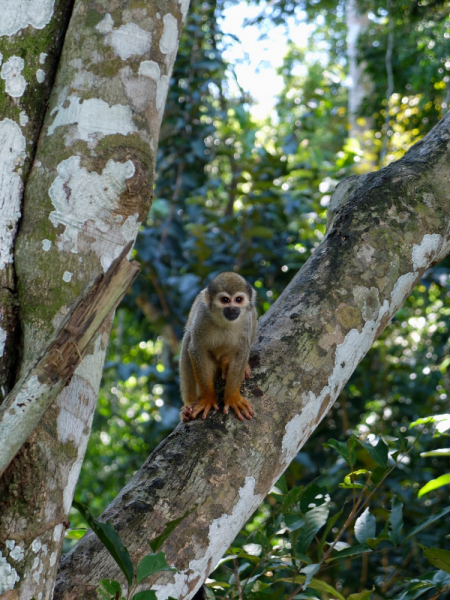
238,581
351,475
346,524
295,592
164,305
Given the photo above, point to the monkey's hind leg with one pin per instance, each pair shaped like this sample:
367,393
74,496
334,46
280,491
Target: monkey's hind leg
188,384
233,399
205,370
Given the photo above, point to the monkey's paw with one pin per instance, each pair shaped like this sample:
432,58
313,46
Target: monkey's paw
203,405
240,405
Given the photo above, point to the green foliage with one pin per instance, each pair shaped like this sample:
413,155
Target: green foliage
284,547
110,539
348,454
438,558
152,563
109,589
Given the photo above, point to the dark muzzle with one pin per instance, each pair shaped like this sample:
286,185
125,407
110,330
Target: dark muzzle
231,312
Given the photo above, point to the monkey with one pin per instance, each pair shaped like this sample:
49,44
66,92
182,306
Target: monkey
219,334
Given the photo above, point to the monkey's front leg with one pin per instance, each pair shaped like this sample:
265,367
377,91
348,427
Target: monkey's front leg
225,365
204,372
237,371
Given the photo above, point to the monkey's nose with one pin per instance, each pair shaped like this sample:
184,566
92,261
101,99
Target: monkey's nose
231,312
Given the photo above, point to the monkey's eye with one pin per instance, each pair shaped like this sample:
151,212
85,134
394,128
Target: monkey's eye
239,299
225,300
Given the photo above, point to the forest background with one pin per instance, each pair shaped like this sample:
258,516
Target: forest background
234,192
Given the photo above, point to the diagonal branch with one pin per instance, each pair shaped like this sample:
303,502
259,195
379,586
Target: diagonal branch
385,230
38,387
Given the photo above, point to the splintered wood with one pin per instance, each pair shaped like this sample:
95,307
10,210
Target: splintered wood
24,406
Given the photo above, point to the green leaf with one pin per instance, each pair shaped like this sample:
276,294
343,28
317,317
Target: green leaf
364,595
263,595
438,558
330,524
434,484
378,453
157,542
381,537
281,485
209,594
396,520
145,595
310,571
440,579
111,586
352,551
110,539
365,527
262,540
438,452
443,422
108,589
348,478
293,522
315,518
414,590
75,534
325,588
431,519
358,485
312,494
152,563
378,474
315,584
227,558
343,449
292,497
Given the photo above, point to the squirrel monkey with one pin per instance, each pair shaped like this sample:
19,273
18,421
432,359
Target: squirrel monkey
219,335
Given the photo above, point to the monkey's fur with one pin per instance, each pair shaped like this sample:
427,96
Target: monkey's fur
219,335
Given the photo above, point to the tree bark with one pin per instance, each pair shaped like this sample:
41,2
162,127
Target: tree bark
360,85
27,74
385,229
88,191
34,393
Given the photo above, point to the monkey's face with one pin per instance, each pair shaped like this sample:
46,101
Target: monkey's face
232,304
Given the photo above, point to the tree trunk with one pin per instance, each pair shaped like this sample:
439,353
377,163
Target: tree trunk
360,84
85,197
28,72
385,229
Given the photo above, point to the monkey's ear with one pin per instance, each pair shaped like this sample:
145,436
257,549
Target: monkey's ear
251,293
207,296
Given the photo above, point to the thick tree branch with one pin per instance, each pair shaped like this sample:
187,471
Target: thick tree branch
388,228
38,387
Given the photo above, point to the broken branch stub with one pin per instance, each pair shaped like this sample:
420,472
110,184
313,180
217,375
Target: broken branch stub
35,391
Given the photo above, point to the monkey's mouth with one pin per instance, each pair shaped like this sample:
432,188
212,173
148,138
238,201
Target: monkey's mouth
231,313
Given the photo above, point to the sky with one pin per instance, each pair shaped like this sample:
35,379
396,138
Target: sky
256,60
